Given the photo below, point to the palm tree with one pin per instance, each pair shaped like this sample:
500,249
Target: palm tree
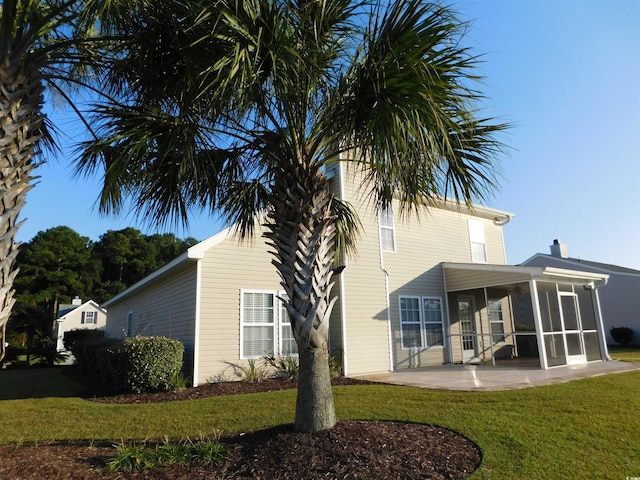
239,106
45,45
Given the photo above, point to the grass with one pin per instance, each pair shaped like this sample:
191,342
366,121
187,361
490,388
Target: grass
585,429
630,353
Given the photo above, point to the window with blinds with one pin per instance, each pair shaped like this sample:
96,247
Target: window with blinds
265,326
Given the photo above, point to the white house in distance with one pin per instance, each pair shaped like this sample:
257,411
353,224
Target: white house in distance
619,299
421,291
77,315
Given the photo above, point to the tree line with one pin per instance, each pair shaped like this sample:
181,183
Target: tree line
59,264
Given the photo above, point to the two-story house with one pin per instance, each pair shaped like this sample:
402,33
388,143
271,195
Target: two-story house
420,291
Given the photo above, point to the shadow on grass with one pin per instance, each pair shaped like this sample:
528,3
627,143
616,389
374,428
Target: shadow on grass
58,381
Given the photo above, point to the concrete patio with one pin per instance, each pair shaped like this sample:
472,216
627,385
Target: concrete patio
488,378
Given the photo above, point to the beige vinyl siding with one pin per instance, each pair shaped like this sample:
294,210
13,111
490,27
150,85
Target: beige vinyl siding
165,307
228,268
422,243
365,313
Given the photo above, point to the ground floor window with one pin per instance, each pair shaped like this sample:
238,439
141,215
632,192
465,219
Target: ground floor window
265,328
421,323
496,320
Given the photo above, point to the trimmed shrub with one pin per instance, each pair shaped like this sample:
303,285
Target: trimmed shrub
73,340
144,364
621,335
93,356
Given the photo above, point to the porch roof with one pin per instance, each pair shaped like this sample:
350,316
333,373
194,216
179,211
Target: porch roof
469,276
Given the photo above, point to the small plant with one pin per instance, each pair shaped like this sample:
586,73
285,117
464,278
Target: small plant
252,372
335,366
140,457
621,335
178,382
218,378
132,457
286,367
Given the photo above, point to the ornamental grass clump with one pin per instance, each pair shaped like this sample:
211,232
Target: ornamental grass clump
140,456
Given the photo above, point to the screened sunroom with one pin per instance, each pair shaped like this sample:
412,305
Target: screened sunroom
536,316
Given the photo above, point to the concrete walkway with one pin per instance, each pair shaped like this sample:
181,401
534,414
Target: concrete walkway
488,378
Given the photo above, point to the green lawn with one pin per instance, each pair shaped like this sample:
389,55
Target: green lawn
586,429
629,353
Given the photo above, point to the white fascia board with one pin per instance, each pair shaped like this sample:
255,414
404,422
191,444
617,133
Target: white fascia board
199,249
493,268
538,273
474,210
152,276
94,305
580,274
194,253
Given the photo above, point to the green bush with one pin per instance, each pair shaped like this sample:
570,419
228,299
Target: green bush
144,364
73,339
94,352
44,351
621,335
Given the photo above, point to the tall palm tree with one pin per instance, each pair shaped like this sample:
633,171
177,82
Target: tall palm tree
45,45
238,107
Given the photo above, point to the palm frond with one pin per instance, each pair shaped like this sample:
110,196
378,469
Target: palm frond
406,110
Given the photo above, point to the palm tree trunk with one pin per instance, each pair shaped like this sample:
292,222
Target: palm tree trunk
21,100
314,405
301,230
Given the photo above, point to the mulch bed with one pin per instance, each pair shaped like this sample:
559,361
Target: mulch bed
350,450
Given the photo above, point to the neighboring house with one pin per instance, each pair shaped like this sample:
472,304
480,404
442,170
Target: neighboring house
88,315
419,292
619,299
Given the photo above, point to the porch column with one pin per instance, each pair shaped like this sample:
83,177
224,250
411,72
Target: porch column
595,299
537,321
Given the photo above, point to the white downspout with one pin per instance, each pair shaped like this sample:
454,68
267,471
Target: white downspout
389,333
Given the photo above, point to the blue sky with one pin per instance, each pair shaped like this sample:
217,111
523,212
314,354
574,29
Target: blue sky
565,73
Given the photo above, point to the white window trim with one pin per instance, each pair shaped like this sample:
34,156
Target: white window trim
281,324
387,212
277,324
419,322
423,322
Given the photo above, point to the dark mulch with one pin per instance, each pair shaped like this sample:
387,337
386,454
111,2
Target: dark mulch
350,450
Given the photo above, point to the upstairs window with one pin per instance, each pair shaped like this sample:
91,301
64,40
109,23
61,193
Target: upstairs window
387,230
89,318
478,245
